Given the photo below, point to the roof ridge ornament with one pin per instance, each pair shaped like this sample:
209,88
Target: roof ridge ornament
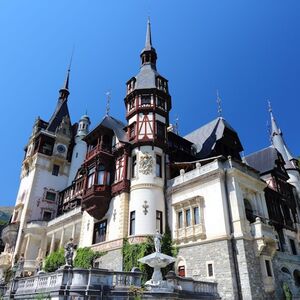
108,98
219,103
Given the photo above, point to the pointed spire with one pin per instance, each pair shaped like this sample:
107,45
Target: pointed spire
148,43
277,138
219,103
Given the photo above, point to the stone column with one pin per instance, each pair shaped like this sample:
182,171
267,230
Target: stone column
27,245
61,243
73,231
52,245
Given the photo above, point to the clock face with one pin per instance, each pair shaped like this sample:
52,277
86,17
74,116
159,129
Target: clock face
61,149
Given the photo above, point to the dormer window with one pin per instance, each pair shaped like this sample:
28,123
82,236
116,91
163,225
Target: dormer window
145,100
132,131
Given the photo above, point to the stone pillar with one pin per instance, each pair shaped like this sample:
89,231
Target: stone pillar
52,245
73,230
27,245
61,243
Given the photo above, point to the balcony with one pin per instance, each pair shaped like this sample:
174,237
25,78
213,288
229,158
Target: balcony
264,235
96,199
120,187
10,233
98,150
70,197
190,233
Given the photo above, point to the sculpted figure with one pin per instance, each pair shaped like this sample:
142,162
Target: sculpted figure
157,241
69,252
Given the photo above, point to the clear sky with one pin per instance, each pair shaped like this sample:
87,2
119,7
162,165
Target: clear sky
248,50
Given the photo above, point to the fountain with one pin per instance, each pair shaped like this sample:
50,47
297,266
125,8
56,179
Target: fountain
157,261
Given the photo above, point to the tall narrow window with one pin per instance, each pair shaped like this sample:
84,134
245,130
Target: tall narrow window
160,129
158,166
180,219
196,215
91,177
134,167
100,232
210,270
55,170
268,268
159,221
188,217
101,173
132,223
293,247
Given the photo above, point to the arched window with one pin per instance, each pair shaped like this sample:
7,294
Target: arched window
285,270
249,211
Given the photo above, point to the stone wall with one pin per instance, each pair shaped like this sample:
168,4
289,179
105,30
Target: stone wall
112,260
219,253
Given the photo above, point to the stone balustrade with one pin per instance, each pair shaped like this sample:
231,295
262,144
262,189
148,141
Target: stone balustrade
99,283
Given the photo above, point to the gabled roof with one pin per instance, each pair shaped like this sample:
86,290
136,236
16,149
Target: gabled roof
205,137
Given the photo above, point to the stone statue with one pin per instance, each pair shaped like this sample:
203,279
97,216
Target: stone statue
39,265
20,266
157,241
69,252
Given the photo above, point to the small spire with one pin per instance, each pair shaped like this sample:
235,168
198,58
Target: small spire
148,43
176,124
108,98
66,84
219,103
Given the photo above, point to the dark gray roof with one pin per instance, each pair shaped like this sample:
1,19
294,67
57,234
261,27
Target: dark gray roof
116,126
146,78
205,137
263,160
61,111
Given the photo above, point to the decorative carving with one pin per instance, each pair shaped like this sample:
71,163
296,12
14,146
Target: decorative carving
146,164
157,241
69,253
145,206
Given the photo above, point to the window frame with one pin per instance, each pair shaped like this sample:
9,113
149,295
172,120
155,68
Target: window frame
132,223
55,169
159,219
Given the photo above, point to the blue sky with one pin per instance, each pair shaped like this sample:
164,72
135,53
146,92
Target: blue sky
248,50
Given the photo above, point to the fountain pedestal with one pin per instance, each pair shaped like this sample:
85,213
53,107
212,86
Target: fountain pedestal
157,261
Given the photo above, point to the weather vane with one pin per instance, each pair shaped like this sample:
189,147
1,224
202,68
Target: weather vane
108,98
219,103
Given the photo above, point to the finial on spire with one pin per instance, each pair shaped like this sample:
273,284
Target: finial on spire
108,98
219,103
148,43
269,106
176,124
66,83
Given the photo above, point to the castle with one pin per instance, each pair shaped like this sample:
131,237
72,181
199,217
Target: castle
234,220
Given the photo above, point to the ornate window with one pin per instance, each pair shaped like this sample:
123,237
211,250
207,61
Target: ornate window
134,167
132,223
91,177
55,170
189,220
159,221
100,232
145,100
158,166
101,175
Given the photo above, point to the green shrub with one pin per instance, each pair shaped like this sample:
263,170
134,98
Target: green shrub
54,260
85,258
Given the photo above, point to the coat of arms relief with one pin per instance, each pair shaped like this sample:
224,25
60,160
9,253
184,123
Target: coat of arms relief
146,164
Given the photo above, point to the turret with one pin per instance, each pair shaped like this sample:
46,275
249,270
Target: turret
80,147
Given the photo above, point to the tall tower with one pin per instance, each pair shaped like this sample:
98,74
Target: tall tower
80,147
291,163
148,103
45,171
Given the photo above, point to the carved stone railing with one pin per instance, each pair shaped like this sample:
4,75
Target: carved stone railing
9,233
192,286
5,259
109,284
190,233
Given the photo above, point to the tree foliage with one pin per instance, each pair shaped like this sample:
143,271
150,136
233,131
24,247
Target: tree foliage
54,260
85,258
